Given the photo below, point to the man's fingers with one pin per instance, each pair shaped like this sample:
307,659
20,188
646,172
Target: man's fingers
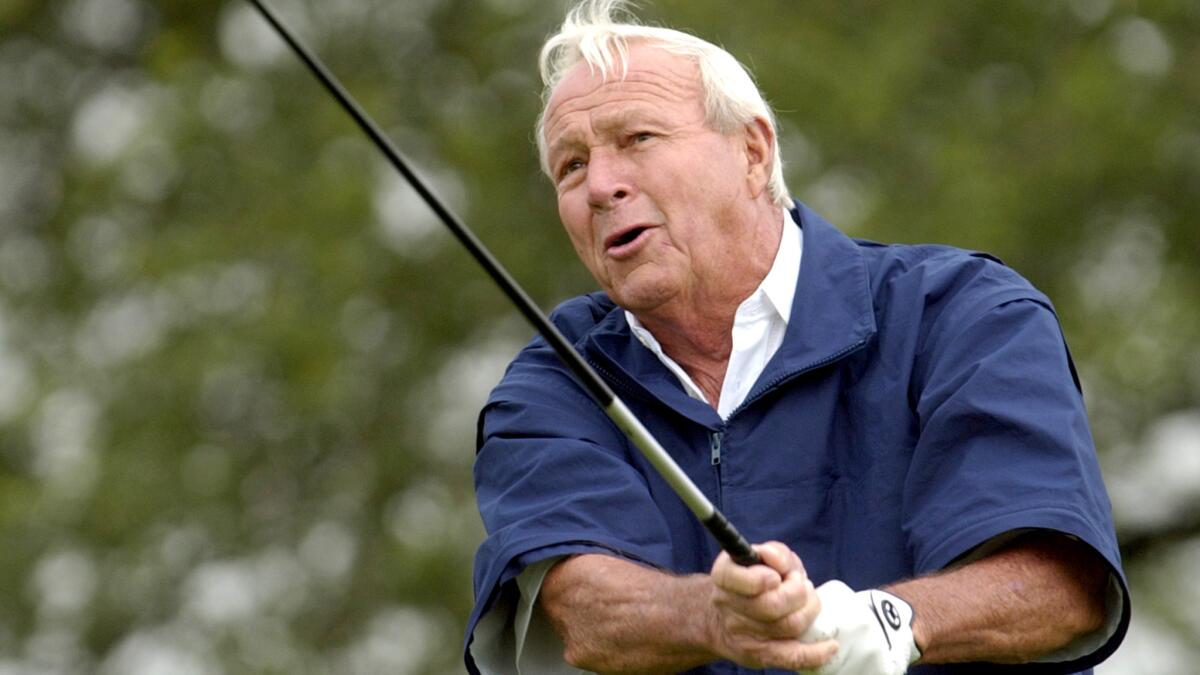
769,606
811,656
794,626
798,622
788,655
779,557
795,594
749,581
783,613
778,561
762,610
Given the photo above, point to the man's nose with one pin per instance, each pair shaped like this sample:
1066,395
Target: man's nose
609,181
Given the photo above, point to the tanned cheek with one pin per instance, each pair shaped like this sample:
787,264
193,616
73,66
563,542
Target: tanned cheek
581,233
567,214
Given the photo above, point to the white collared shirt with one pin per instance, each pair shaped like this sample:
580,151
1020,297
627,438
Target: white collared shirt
758,326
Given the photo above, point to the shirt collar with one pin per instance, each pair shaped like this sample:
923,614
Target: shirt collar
780,283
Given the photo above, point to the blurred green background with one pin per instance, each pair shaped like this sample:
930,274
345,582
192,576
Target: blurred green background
240,362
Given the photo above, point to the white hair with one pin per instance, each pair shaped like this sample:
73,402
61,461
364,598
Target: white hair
591,34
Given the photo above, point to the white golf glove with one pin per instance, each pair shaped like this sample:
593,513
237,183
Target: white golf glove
873,629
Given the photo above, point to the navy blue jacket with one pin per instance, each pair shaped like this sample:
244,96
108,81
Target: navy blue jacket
922,402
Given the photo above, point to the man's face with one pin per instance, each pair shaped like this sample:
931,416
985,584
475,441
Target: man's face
652,199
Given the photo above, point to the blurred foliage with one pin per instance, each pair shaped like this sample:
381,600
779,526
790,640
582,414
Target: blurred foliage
240,362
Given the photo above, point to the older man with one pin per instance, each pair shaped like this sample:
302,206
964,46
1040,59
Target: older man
900,420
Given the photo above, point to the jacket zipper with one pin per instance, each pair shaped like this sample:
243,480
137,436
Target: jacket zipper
715,439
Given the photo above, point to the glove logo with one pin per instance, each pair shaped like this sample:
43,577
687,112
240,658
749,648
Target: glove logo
890,614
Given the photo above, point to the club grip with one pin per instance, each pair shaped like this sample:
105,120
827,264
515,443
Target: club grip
731,540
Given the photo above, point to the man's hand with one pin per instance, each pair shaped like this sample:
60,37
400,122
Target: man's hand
873,629
759,612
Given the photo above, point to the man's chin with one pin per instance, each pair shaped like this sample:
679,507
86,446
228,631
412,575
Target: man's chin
640,298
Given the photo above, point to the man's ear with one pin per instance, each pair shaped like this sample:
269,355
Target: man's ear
760,154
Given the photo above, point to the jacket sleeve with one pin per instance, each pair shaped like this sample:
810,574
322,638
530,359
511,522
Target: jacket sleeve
1004,443
554,477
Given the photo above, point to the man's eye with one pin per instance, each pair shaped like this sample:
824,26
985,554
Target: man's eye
642,136
570,167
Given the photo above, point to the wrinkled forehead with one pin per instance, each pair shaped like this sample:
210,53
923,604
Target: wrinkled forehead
650,73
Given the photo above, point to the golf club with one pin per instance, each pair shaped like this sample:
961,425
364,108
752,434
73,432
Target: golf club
721,529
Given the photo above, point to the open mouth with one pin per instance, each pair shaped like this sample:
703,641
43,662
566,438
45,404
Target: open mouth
629,236
625,237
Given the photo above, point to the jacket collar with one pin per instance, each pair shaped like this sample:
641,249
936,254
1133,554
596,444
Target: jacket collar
832,312
832,316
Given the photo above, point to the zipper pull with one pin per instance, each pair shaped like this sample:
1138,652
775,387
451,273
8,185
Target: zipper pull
714,447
